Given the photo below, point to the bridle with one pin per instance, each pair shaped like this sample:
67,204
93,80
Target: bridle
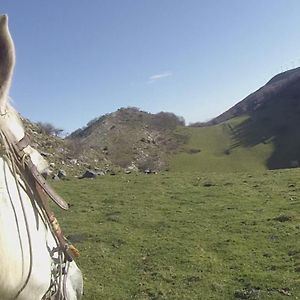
64,253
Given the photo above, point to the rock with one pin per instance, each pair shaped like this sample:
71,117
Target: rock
147,171
45,154
60,150
74,161
62,174
52,165
127,171
55,177
46,173
89,174
101,173
132,167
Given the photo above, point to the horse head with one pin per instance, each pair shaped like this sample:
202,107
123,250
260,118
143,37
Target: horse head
10,122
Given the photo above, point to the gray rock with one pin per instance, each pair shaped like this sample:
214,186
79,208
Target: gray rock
55,177
89,174
45,154
74,161
62,174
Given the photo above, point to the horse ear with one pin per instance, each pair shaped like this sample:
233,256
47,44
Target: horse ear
7,62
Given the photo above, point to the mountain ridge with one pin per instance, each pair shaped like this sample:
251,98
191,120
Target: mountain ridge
262,128
279,84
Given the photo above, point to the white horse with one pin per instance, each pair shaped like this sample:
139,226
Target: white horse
33,263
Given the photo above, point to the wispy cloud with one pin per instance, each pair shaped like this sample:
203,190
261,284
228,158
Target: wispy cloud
159,76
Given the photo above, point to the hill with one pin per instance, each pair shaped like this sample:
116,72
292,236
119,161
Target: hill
128,138
213,149
268,119
282,90
259,132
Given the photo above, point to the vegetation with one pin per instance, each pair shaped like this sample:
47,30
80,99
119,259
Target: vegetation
49,129
187,235
215,149
128,138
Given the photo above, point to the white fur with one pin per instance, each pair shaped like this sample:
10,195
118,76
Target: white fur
14,262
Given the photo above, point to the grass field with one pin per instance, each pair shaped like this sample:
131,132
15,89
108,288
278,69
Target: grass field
189,235
215,148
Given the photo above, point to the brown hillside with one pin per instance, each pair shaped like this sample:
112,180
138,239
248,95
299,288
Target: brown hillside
128,138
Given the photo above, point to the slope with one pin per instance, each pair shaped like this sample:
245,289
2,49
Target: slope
269,116
128,138
215,149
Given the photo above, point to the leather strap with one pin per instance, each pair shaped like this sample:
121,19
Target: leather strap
19,147
42,188
45,186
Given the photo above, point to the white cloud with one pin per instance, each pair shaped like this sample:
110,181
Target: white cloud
156,77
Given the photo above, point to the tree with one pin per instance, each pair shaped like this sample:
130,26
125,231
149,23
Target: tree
49,129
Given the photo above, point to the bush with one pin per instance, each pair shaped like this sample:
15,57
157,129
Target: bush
49,129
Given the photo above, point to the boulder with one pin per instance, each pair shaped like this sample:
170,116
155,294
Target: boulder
147,171
89,174
62,174
45,154
74,161
55,177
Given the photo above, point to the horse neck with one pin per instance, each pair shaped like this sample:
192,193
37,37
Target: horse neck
22,244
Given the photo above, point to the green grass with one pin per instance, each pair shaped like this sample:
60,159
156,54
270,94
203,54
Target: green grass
217,150
187,235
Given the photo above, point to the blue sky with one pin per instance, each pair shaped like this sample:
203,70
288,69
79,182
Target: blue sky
77,60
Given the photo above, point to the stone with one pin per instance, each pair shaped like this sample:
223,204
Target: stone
89,174
74,161
62,174
45,154
55,177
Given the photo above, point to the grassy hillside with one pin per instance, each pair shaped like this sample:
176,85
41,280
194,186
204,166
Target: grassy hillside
187,236
215,149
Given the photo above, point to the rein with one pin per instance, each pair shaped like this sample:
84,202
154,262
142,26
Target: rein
23,165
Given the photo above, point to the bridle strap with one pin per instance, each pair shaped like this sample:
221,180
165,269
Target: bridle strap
19,150
40,180
36,181
65,246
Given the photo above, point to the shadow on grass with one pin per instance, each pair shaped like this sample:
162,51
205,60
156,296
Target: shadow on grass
276,121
